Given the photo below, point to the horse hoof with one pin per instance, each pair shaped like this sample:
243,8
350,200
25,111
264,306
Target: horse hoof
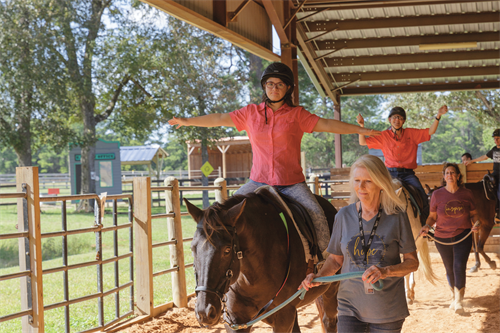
410,301
493,265
473,270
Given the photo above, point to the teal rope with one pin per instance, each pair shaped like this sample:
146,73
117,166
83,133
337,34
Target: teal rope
302,293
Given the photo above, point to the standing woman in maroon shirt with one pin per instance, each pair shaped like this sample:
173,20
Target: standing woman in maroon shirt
453,213
275,129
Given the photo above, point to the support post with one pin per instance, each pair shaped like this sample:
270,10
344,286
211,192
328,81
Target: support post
174,226
221,194
143,245
30,250
338,137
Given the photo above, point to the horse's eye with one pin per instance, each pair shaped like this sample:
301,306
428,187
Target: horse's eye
227,250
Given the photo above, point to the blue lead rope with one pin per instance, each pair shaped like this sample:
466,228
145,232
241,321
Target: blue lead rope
302,293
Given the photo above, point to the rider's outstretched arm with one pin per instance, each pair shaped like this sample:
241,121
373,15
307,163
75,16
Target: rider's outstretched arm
339,127
210,120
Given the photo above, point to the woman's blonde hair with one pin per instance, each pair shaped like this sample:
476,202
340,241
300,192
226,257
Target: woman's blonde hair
391,203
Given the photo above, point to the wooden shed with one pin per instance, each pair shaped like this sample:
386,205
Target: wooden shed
230,158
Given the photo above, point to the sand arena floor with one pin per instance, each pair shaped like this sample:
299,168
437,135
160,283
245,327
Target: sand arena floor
429,312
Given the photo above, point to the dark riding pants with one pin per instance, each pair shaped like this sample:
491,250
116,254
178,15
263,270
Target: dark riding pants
455,258
409,177
348,324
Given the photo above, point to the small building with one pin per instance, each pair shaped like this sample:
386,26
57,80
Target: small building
107,168
231,158
153,157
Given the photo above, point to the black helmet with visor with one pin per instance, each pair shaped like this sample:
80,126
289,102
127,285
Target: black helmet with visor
280,71
398,111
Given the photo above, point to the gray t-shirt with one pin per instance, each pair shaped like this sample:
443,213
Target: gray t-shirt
392,238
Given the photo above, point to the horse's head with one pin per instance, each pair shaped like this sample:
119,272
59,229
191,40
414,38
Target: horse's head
217,255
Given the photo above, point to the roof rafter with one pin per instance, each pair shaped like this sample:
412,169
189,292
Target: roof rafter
363,43
417,74
412,58
404,88
314,5
402,22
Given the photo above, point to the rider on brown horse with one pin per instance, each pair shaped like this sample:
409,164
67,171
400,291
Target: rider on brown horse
494,154
400,149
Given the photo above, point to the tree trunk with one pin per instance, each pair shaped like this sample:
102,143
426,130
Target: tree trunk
88,154
23,145
204,179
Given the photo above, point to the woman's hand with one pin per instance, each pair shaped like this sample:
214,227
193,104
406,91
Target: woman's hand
475,227
374,273
425,230
307,283
360,120
368,132
178,121
442,110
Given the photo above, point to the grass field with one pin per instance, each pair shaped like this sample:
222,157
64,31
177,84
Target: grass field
83,281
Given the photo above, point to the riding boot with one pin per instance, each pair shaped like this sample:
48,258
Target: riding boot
452,305
459,297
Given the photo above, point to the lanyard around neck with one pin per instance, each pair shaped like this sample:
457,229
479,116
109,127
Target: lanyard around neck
366,246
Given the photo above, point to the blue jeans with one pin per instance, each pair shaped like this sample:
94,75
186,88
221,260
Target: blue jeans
301,193
348,324
410,178
455,258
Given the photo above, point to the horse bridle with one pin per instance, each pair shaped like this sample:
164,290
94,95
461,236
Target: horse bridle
223,287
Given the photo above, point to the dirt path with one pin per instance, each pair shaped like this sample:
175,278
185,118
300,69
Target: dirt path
429,313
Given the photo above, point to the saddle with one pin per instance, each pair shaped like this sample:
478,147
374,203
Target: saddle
416,200
301,220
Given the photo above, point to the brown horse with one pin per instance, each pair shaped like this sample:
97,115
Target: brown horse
244,257
484,201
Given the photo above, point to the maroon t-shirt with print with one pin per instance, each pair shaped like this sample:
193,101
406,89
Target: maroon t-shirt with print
453,211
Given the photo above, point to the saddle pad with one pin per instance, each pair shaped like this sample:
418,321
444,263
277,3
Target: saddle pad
270,192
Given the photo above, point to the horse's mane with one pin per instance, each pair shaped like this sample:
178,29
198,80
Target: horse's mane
212,220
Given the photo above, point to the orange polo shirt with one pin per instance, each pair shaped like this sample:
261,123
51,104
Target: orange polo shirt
399,153
275,145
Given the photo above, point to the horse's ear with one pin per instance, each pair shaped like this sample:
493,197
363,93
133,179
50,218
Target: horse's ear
235,212
398,191
194,211
427,188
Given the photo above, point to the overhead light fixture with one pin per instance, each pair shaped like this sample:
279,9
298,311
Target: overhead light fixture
444,46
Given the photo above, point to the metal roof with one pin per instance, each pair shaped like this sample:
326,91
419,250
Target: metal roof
381,47
146,154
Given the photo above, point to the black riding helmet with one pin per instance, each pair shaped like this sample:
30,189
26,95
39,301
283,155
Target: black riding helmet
399,111
496,132
280,71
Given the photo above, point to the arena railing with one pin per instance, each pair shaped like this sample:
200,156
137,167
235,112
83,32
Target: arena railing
30,253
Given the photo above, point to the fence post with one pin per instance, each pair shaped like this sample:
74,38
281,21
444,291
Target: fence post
143,245
316,189
30,250
220,194
174,225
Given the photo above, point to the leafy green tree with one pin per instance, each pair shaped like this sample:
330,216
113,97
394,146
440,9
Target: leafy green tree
33,107
102,62
199,77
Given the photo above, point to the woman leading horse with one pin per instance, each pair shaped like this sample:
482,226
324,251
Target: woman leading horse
373,245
